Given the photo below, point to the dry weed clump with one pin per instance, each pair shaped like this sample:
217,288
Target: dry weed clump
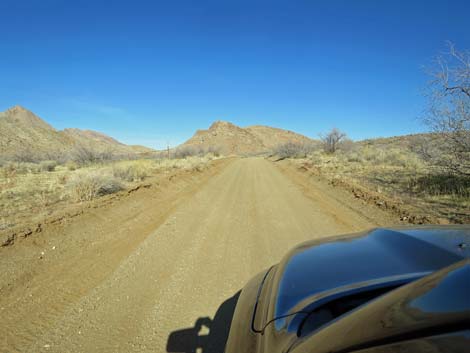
84,186
189,163
131,172
47,166
386,157
183,152
9,170
17,168
71,165
12,169
441,184
293,150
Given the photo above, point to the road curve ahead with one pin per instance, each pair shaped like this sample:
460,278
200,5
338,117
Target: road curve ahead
175,292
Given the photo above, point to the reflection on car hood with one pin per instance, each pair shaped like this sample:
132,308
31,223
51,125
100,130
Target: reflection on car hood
314,270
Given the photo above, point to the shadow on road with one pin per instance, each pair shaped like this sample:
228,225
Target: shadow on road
207,336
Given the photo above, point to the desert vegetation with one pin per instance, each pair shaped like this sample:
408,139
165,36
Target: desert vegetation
394,168
430,171
40,188
395,172
185,151
80,155
293,150
448,113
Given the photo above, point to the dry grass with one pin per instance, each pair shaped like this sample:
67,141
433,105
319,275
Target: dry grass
31,191
398,173
294,150
196,163
131,171
47,166
85,186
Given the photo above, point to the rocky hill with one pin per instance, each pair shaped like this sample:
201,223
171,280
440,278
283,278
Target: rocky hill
232,139
24,135
408,142
272,137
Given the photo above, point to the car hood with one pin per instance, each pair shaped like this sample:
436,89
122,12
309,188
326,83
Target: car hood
320,271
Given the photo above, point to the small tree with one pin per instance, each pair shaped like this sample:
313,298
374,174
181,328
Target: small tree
332,140
448,112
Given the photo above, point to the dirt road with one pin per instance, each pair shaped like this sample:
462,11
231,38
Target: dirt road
160,278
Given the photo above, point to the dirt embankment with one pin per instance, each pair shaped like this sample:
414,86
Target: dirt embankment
395,208
157,270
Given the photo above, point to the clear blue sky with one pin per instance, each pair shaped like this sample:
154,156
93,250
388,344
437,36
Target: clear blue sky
148,72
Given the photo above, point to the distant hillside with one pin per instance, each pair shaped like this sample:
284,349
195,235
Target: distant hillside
231,139
100,142
272,137
404,142
22,133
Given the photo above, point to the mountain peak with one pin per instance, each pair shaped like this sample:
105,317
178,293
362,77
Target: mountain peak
17,109
25,118
218,124
229,138
21,131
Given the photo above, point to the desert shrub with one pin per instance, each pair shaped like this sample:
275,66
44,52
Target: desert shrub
193,151
347,145
71,165
26,156
186,151
182,163
354,157
25,167
47,166
9,170
131,172
87,186
371,154
293,150
400,158
393,157
316,157
62,179
442,184
85,156
397,157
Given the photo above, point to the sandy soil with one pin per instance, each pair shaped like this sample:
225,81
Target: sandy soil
159,271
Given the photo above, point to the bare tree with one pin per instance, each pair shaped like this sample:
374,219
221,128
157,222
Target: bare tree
448,112
85,155
332,140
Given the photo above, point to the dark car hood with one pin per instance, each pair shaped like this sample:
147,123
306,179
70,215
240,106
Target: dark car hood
318,271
